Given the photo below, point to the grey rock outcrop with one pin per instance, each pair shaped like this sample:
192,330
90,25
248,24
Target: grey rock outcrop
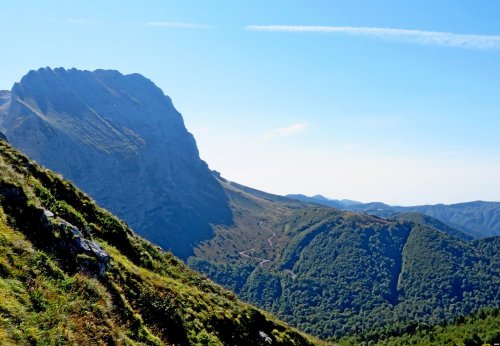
78,245
120,139
72,244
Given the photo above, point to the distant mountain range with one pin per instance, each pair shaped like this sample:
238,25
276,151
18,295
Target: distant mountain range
352,269
478,219
319,199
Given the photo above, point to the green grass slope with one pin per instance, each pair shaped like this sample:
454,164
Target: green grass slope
78,276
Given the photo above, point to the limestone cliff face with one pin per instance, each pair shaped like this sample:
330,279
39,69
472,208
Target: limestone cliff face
120,139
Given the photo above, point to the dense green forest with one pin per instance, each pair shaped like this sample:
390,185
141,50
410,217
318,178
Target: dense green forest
333,273
73,274
478,329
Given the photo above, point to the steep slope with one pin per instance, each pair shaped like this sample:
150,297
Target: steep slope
258,219
334,273
109,132
71,273
478,219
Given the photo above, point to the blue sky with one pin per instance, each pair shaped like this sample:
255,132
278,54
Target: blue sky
393,101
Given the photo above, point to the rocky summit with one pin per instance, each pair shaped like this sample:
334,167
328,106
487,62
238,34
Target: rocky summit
109,132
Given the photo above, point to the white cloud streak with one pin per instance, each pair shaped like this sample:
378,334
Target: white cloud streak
286,131
157,24
484,42
178,25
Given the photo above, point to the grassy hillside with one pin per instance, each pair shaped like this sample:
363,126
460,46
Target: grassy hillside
71,273
333,273
256,215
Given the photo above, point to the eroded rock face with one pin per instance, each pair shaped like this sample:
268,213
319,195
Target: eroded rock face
120,139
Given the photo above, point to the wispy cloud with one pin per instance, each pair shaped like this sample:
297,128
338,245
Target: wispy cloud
179,25
404,35
159,24
285,131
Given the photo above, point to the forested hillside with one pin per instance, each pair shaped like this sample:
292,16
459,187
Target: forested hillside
480,328
477,219
334,273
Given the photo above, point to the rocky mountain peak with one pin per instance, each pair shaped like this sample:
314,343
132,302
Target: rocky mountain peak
110,132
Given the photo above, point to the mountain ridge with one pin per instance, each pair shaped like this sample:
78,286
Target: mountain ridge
476,218
117,127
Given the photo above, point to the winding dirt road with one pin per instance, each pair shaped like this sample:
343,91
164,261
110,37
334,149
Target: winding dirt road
262,261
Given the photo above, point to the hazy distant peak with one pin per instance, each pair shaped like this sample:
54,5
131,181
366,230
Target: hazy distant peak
320,197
